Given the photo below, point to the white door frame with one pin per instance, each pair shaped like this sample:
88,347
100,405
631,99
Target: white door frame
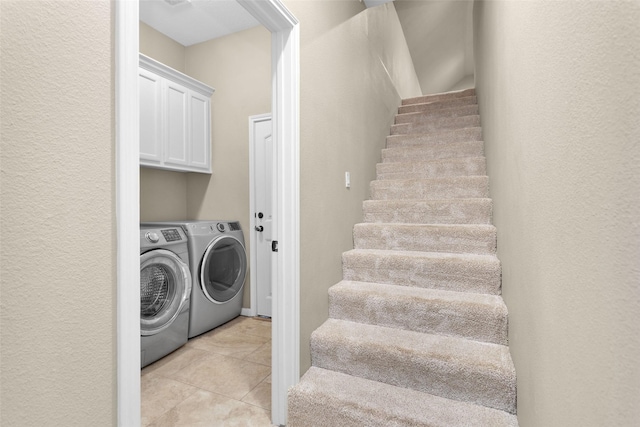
253,277
285,65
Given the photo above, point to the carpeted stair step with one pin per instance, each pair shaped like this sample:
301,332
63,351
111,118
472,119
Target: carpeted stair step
461,187
327,398
420,117
461,166
451,238
453,368
447,211
436,105
478,317
436,124
447,136
436,97
433,270
431,151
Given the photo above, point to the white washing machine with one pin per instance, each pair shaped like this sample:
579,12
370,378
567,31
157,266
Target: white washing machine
165,290
218,262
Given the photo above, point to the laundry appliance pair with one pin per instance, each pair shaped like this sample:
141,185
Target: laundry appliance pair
218,268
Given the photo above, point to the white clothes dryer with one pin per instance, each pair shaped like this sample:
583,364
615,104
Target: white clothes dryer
165,290
218,264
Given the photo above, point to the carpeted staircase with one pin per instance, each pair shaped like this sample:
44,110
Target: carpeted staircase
417,334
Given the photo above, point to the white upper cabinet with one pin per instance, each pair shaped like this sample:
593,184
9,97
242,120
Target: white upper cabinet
200,144
176,122
175,119
150,118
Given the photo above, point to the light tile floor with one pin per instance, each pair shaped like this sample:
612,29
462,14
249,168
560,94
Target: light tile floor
221,378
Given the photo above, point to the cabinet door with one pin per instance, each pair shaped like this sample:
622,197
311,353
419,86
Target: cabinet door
200,135
176,124
150,118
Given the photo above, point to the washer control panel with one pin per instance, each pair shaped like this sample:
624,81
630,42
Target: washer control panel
171,235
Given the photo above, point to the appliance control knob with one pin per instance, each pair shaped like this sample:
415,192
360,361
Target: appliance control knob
152,237
220,227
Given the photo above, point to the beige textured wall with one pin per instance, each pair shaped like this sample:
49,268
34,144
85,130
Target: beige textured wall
440,37
158,186
558,91
347,104
156,45
57,348
238,66
388,43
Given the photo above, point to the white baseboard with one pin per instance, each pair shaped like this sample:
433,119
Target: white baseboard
249,312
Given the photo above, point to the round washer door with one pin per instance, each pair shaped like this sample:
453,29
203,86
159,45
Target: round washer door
165,286
223,269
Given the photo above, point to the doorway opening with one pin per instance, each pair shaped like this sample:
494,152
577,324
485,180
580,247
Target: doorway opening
284,28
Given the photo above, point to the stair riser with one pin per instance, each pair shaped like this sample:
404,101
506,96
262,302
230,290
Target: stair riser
422,117
435,106
418,170
433,151
452,188
439,97
449,274
436,125
405,308
427,238
326,398
456,135
428,212
423,366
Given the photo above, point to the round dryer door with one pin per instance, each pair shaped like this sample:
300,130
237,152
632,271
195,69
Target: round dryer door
223,269
165,286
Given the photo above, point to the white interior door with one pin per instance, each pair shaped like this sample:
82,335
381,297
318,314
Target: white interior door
264,159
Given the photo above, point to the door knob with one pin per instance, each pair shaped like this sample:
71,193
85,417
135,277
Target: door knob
259,228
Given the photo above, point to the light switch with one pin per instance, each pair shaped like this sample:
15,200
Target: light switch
347,180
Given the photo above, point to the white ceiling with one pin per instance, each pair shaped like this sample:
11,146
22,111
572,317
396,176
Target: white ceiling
194,21
374,3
